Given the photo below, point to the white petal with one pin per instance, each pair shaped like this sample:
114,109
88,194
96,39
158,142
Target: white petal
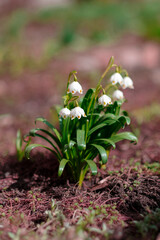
116,78
118,95
104,100
77,112
75,87
127,83
65,112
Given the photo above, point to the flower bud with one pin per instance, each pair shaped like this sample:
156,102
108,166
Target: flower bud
75,87
116,78
64,113
77,112
104,100
118,95
127,83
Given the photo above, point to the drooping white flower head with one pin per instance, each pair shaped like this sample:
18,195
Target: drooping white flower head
77,112
104,100
75,87
116,78
118,95
127,83
64,113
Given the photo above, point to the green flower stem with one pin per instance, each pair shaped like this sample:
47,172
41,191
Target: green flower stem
76,103
78,167
125,72
93,99
94,96
82,175
71,166
87,129
99,87
103,90
118,69
73,73
118,108
109,66
109,87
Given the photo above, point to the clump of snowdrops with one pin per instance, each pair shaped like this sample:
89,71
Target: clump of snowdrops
88,125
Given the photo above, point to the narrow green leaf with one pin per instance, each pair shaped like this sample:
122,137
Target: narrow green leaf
61,123
40,119
128,120
102,152
124,136
34,134
34,130
124,120
97,127
62,165
110,121
65,131
105,117
32,146
87,100
81,140
92,166
104,141
102,124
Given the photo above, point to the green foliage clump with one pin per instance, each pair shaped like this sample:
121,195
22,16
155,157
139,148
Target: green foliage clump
88,127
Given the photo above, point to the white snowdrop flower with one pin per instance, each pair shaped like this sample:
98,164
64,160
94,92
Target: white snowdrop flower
104,100
118,95
127,83
64,113
116,78
77,112
75,87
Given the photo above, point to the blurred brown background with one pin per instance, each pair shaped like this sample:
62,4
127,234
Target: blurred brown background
41,41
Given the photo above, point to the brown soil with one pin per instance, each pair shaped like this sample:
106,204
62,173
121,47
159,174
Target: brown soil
28,187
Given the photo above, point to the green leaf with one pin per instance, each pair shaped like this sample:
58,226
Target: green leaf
87,100
33,131
92,166
128,120
81,140
92,130
101,125
104,141
50,126
66,131
62,165
61,123
124,136
32,146
102,152
123,120
105,117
